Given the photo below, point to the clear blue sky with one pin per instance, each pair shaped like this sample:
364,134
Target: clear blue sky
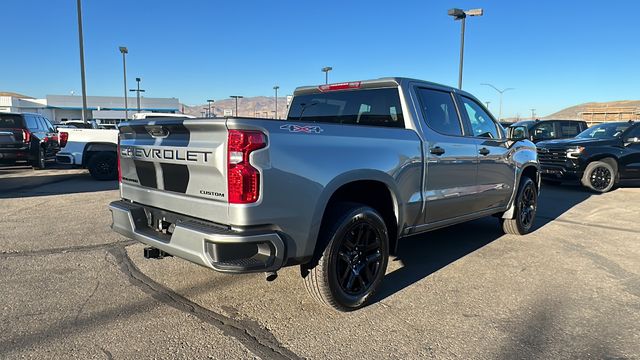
555,53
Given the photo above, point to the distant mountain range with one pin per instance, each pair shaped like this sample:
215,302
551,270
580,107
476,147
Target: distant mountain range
573,112
259,106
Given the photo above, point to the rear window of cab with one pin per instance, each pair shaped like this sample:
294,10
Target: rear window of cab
367,107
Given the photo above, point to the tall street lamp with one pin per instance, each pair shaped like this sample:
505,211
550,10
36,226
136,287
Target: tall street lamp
501,92
210,102
459,14
487,104
124,51
138,91
276,89
326,70
84,83
236,97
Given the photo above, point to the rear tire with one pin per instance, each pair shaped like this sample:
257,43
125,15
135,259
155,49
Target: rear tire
40,162
599,176
525,209
103,166
354,261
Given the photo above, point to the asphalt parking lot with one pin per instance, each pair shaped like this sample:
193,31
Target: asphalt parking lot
72,288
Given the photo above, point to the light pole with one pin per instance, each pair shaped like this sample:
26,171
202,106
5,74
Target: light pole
459,14
487,103
236,97
501,92
326,70
210,102
81,41
124,51
533,114
276,89
138,91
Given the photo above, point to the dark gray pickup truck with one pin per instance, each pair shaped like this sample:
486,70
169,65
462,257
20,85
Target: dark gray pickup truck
354,167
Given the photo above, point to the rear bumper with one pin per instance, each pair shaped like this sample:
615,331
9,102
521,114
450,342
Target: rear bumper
15,154
203,243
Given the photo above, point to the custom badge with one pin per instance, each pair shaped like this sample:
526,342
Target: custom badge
302,129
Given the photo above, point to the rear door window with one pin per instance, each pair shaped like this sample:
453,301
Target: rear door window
439,111
369,107
569,129
10,121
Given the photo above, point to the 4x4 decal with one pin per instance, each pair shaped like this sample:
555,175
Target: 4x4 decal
303,129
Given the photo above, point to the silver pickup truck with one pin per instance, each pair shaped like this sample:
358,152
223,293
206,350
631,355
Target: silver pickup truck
354,167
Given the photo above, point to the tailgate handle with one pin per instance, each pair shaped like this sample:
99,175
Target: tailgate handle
157,131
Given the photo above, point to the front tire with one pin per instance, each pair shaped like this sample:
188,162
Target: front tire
599,176
354,262
103,166
525,209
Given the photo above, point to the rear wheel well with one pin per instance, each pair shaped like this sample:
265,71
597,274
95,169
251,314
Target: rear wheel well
92,149
371,193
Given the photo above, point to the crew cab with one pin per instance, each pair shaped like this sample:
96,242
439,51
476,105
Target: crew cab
541,130
353,168
27,137
599,157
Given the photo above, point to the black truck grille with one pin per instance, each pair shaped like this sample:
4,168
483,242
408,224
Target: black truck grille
548,156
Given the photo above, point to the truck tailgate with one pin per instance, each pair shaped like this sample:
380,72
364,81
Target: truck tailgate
177,165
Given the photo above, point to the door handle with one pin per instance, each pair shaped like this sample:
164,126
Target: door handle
437,150
484,151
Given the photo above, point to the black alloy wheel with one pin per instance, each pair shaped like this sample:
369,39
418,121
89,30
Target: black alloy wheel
600,178
359,259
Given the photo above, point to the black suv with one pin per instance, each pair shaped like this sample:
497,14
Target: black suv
29,137
599,157
540,130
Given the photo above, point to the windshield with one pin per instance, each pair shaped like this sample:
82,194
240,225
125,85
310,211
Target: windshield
604,131
10,121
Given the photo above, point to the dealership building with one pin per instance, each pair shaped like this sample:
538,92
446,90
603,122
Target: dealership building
103,109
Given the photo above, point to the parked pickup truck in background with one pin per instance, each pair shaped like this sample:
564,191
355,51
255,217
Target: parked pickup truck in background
354,167
95,149
599,157
541,130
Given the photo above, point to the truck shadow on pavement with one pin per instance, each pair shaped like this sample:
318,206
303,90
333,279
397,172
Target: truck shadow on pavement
58,184
423,254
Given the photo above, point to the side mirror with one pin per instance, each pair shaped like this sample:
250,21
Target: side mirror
516,133
633,140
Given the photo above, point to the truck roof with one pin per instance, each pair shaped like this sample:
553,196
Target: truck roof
376,83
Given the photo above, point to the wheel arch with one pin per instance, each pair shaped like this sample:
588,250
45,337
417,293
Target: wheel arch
95,147
358,186
530,170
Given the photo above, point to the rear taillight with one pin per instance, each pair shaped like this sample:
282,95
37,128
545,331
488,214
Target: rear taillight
340,86
243,179
26,136
64,137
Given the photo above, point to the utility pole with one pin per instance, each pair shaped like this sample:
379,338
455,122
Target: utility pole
236,97
81,41
276,89
210,102
326,70
533,114
500,92
487,103
459,14
138,91
124,52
